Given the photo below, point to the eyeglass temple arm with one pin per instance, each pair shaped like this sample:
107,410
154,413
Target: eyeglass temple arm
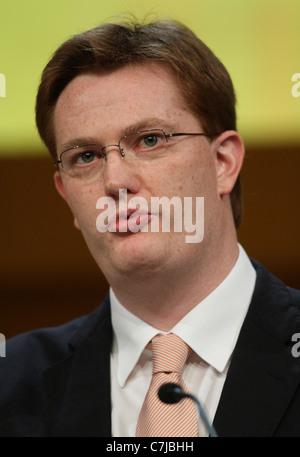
210,135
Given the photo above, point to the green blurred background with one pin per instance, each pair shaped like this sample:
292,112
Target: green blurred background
47,275
258,41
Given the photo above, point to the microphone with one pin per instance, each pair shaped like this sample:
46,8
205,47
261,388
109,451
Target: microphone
172,393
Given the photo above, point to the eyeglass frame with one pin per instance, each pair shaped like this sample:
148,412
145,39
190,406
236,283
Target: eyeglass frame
121,151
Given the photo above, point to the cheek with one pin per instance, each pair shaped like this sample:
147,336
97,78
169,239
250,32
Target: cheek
201,174
191,178
82,201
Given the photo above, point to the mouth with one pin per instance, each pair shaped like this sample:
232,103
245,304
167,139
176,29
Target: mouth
128,221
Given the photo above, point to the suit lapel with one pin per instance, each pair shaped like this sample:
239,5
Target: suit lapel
263,375
79,386
261,380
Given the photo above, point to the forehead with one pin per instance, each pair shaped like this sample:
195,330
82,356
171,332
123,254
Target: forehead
118,98
122,83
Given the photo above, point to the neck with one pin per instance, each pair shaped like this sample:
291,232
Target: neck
163,298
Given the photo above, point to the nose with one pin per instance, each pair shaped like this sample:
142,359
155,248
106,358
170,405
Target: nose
118,173
112,146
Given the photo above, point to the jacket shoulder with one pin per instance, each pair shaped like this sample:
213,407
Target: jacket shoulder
23,402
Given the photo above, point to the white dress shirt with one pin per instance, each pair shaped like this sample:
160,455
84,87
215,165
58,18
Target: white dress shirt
211,329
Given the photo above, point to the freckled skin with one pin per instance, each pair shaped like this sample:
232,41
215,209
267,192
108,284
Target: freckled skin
101,107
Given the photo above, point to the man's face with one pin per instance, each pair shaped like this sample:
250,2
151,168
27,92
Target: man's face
101,109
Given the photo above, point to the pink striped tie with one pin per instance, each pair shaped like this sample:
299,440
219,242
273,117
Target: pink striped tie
157,418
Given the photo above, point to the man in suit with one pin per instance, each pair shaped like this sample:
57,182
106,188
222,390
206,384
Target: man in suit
147,111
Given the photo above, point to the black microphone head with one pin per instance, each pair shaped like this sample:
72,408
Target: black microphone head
170,393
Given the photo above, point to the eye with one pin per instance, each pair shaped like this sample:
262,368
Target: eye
150,140
144,143
83,155
86,156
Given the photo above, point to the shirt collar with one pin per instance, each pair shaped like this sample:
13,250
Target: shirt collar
130,337
211,328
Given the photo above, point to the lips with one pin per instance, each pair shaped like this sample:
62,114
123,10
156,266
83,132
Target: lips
124,214
129,220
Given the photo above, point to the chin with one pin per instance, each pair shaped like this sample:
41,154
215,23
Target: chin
137,253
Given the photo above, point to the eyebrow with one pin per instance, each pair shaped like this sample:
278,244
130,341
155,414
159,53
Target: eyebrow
148,123
80,141
142,124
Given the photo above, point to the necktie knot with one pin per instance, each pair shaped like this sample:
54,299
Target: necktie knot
169,353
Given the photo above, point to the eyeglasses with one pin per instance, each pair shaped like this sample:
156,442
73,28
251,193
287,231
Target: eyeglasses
145,146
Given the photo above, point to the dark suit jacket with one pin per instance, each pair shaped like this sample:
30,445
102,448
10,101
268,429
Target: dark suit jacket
56,382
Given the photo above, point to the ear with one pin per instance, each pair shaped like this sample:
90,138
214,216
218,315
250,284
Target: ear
229,156
61,190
